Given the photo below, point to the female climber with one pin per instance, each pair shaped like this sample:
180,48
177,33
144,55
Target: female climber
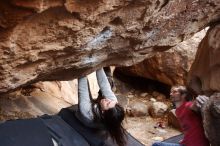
104,112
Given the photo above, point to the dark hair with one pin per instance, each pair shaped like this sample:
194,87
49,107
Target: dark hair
112,119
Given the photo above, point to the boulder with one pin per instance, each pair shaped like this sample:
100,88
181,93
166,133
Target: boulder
137,109
61,40
204,78
170,67
158,109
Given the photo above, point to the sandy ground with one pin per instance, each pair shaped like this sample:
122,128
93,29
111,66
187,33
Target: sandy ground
143,128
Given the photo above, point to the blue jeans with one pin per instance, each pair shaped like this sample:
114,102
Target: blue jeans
165,144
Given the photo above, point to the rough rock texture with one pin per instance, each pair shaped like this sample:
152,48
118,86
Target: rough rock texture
205,79
158,109
170,67
205,72
62,40
137,109
37,5
211,119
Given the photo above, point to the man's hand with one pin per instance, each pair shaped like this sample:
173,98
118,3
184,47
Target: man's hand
200,100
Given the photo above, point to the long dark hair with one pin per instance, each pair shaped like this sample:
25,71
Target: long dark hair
112,119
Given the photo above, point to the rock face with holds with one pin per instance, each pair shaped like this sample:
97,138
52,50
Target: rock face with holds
204,78
62,40
170,67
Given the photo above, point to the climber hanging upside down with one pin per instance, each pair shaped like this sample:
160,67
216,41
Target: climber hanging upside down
104,112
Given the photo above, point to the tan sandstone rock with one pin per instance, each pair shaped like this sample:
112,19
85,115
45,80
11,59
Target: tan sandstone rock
62,40
170,67
205,72
205,79
158,109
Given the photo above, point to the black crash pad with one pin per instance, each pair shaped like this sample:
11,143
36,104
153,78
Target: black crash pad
62,133
93,136
30,132
64,128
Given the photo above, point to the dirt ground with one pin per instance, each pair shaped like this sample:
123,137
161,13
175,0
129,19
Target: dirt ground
143,129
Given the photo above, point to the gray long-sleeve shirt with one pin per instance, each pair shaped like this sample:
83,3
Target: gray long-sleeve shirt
85,113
